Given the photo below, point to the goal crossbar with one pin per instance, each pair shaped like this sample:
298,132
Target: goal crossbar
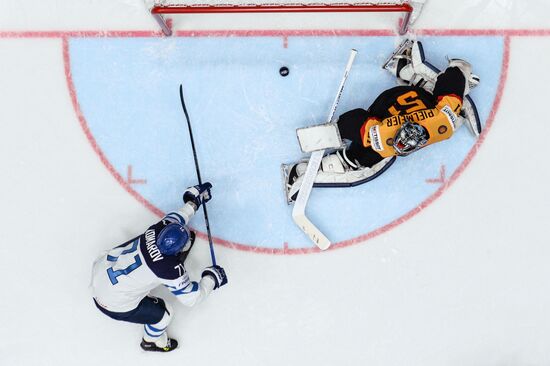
159,10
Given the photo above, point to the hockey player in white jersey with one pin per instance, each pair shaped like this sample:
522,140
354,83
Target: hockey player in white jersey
123,277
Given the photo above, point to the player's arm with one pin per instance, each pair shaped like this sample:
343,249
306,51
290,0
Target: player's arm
365,128
193,197
190,293
450,83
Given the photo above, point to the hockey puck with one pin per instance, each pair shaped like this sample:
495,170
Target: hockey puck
284,71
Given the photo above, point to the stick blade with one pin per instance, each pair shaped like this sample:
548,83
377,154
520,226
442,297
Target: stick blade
314,234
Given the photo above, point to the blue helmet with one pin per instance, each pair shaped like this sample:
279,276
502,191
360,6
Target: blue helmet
172,238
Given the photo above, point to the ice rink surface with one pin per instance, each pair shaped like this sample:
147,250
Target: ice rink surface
443,260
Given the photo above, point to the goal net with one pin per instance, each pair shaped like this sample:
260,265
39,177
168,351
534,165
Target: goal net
409,10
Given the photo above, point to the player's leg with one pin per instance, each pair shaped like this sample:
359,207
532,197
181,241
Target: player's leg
362,156
356,155
155,315
350,123
451,81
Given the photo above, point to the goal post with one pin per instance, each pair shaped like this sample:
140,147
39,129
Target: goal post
409,9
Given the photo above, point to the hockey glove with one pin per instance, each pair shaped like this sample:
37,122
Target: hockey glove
218,275
198,194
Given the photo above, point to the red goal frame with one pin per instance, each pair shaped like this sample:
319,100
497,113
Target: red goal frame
158,10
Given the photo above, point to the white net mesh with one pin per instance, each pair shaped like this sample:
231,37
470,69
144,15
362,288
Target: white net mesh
197,3
409,9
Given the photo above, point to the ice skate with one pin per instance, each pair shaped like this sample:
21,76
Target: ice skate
171,345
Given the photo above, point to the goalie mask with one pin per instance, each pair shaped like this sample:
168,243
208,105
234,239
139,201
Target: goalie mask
173,238
410,138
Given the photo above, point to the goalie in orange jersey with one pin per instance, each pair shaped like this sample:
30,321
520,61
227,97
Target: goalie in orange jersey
402,120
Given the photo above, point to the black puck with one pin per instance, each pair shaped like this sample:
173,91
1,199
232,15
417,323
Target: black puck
284,71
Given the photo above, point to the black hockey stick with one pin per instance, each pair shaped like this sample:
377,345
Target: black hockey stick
212,254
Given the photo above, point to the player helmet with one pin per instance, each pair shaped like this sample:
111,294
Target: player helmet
172,238
409,138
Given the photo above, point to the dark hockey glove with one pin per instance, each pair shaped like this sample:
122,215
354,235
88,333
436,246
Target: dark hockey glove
218,275
198,194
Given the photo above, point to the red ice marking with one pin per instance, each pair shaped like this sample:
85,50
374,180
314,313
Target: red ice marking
276,33
484,32
442,177
65,35
131,180
91,139
285,42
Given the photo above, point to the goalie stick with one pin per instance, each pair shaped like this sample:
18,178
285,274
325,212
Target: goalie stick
210,243
299,210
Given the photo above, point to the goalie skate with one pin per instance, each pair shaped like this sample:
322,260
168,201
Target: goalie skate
287,170
403,51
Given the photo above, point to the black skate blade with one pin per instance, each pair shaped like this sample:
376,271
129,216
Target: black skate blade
152,347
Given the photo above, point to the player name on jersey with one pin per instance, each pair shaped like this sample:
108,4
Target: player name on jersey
411,117
151,244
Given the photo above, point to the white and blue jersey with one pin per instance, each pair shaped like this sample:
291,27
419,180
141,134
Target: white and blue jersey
123,276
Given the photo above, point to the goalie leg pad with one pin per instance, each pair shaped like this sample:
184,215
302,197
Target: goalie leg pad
335,176
409,65
471,116
332,163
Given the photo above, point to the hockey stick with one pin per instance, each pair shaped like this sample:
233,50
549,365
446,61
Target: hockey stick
212,254
299,210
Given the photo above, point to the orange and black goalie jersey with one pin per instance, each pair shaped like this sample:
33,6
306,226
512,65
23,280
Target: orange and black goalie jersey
437,113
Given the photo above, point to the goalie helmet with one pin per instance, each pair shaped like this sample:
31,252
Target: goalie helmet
410,138
173,238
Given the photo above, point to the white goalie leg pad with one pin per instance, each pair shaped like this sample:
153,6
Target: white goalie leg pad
416,71
471,117
338,177
425,75
350,176
406,73
319,137
332,164
157,332
421,73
